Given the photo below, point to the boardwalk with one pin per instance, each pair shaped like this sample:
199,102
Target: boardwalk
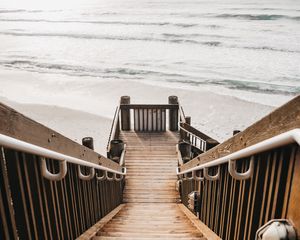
151,208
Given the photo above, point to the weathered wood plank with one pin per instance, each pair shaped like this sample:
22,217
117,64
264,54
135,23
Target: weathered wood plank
149,106
91,232
209,234
283,119
196,131
151,211
150,154
150,221
293,213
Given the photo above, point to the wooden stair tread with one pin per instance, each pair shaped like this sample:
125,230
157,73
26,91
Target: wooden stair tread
151,210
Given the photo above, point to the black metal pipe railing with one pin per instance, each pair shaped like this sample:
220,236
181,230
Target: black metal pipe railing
33,207
235,209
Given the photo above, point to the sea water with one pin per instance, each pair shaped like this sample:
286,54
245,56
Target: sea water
241,47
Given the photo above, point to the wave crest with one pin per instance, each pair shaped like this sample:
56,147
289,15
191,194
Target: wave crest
259,17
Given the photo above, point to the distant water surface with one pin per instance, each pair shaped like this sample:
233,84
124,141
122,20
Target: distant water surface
235,45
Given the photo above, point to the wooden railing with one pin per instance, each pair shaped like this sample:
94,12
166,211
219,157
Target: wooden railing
144,117
196,138
235,207
149,118
199,141
34,207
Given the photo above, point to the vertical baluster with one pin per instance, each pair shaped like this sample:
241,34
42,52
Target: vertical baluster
163,123
150,120
145,114
141,119
136,120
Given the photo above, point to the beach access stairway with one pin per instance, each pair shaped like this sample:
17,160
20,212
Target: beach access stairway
161,178
150,208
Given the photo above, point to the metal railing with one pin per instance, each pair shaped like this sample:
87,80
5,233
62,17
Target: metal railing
242,191
51,187
272,143
236,208
250,179
18,145
34,207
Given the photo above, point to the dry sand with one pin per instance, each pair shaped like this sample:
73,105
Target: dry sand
71,123
82,107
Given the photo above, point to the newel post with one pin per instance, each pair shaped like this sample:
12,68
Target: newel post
210,143
173,114
184,135
235,132
125,114
88,142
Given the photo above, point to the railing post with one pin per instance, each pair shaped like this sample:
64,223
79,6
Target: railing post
184,135
235,132
117,147
188,120
173,114
88,142
185,150
210,143
125,114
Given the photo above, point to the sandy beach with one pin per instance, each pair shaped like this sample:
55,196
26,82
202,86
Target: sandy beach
71,123
79,108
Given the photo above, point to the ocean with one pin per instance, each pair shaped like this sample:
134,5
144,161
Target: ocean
237,48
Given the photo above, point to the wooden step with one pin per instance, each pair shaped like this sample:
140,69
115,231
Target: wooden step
151,210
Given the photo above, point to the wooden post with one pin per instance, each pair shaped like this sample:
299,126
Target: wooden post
183,135
173,114
188,120
117,147
88,142
185,150
236,132
210,143
125,114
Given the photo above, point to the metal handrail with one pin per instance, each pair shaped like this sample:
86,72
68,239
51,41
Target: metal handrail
86,177
196,177
101,178
113,128
108,178
19,145
210,177
181,114
63,168
240,176
271,143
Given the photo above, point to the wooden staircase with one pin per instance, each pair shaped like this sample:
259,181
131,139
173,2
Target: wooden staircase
151,208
